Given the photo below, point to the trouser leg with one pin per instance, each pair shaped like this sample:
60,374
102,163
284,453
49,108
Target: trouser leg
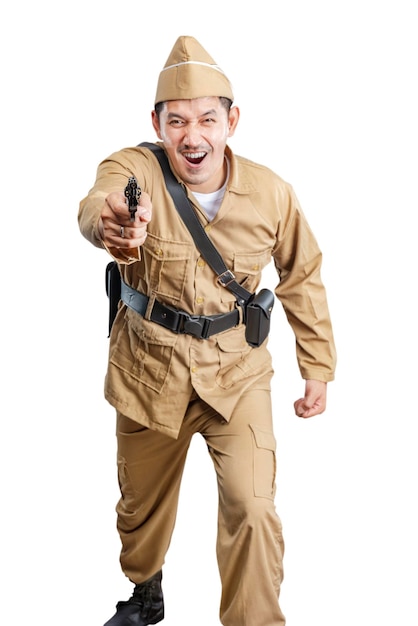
250,543
150,468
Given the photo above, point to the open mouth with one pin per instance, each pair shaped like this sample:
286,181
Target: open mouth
195,158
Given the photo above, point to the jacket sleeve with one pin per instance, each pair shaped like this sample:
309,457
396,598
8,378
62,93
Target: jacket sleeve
112,175
298,259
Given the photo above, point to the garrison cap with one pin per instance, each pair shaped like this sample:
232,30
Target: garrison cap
190,72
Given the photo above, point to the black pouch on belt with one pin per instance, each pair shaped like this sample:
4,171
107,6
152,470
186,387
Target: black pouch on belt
258,314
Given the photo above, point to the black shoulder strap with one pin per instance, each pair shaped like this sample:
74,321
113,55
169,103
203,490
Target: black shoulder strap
225,277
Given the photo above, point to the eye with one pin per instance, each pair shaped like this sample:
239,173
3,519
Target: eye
176,123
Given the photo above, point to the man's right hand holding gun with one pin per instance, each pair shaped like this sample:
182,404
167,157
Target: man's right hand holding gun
115,225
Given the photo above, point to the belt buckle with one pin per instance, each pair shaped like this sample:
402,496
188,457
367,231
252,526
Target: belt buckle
195,325
226,278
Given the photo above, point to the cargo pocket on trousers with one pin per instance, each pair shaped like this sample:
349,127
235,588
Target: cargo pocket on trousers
127,503
264,463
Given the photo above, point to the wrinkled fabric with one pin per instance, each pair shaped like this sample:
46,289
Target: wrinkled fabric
250,544
152,371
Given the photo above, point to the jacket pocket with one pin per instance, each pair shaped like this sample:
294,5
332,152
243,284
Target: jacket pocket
144,350
232,349
247,268
166,266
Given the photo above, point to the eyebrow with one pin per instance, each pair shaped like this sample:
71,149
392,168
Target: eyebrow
210,112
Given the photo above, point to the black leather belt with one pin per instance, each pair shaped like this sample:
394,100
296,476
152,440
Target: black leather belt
200,326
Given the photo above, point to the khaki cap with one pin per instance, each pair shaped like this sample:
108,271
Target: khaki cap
190,72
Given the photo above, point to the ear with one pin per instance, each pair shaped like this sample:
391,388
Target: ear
233,118
156,124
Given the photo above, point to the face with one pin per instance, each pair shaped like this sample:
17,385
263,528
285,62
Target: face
194,133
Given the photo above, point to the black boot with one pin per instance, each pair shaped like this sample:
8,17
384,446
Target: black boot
146,606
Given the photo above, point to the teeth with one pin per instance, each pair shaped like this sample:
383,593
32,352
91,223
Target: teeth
194,155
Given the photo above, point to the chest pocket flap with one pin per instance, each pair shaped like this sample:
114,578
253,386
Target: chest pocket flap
166,266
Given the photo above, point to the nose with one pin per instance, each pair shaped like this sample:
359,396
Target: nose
192,135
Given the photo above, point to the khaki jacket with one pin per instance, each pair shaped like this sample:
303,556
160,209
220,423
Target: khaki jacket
151,370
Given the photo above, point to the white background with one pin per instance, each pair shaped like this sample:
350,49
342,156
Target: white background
328,98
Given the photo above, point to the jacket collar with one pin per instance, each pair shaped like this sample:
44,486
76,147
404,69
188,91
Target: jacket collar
239,182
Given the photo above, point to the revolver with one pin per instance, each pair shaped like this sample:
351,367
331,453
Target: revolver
132,195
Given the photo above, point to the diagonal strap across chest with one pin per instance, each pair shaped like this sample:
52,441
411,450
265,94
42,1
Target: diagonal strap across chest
224,275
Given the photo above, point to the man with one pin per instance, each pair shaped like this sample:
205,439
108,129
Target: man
167,384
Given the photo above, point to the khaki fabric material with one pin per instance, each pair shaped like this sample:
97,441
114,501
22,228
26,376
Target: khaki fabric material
243,452
152,371
190,72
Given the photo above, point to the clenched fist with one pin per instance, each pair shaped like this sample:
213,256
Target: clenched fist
115,226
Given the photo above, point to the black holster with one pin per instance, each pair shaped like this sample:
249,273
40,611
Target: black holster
257,317
113,286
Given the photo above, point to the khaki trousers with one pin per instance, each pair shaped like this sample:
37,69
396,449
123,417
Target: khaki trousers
249,544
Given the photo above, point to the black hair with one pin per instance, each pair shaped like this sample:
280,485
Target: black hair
226,103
